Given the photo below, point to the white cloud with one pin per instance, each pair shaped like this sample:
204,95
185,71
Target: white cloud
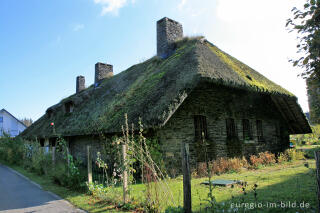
78,27
112,6
182,4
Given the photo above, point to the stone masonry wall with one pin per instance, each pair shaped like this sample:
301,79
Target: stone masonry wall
78,147
102,71
80,83
217,104
168,31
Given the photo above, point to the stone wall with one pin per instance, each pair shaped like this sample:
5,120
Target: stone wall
80,83
168,31
102,71
218,103
78,147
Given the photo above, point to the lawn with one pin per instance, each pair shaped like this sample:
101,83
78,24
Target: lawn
289,182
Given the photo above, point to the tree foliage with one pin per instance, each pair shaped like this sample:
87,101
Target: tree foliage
26,121
306,22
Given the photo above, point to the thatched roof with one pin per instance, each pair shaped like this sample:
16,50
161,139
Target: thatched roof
154,89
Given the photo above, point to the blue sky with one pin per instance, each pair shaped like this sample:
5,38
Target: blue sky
46,44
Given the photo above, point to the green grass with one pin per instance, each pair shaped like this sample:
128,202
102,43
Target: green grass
285,182
79,199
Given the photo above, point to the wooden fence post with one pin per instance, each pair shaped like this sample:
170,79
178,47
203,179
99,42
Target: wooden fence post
89,156
125,173
68,160
53,155
317,157
186,178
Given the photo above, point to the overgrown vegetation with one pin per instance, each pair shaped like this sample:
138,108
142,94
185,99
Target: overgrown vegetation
149,188
234,165
34,158
307,139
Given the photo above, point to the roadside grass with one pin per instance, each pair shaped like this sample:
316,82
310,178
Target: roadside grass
291,181
79,199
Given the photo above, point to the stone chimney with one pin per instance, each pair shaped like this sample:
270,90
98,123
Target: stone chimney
80,84
168,31
102,71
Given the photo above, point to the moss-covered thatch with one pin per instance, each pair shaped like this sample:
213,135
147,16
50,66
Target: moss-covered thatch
152,90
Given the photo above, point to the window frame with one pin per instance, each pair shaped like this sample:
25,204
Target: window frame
200,127
247,130
231,128
69,107
259,127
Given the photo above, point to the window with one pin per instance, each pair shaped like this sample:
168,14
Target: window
49,113
52,142
42,142
259,130
231,128
200,127
1,119
246,128
69,107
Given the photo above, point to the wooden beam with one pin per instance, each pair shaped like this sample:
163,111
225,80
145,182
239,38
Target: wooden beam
284,115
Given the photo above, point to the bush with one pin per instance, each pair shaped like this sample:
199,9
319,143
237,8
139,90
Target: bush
225,165
255,162
267,158
221,165
12,150
282,157
31,156
263,159
294,154
106,193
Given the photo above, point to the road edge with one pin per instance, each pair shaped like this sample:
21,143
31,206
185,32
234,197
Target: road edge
40,187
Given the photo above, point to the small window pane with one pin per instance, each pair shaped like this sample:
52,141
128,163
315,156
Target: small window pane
1,119
69,107
246,127
259,130
200,126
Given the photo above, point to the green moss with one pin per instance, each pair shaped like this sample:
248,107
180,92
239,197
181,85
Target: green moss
250,76
152,90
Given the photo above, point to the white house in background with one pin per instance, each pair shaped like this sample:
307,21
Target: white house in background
10,124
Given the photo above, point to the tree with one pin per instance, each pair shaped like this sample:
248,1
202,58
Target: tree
306,22
26,121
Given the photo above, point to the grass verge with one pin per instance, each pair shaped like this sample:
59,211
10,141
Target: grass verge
289,182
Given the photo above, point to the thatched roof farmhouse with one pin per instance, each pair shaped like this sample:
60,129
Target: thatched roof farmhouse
190,86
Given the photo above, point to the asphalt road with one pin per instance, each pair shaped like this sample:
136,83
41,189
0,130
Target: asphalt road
18,194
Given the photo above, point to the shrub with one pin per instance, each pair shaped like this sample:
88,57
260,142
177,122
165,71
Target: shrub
11,150
40,162
221,165
282,157
105,193
255,161
263,159
267,158
294,154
